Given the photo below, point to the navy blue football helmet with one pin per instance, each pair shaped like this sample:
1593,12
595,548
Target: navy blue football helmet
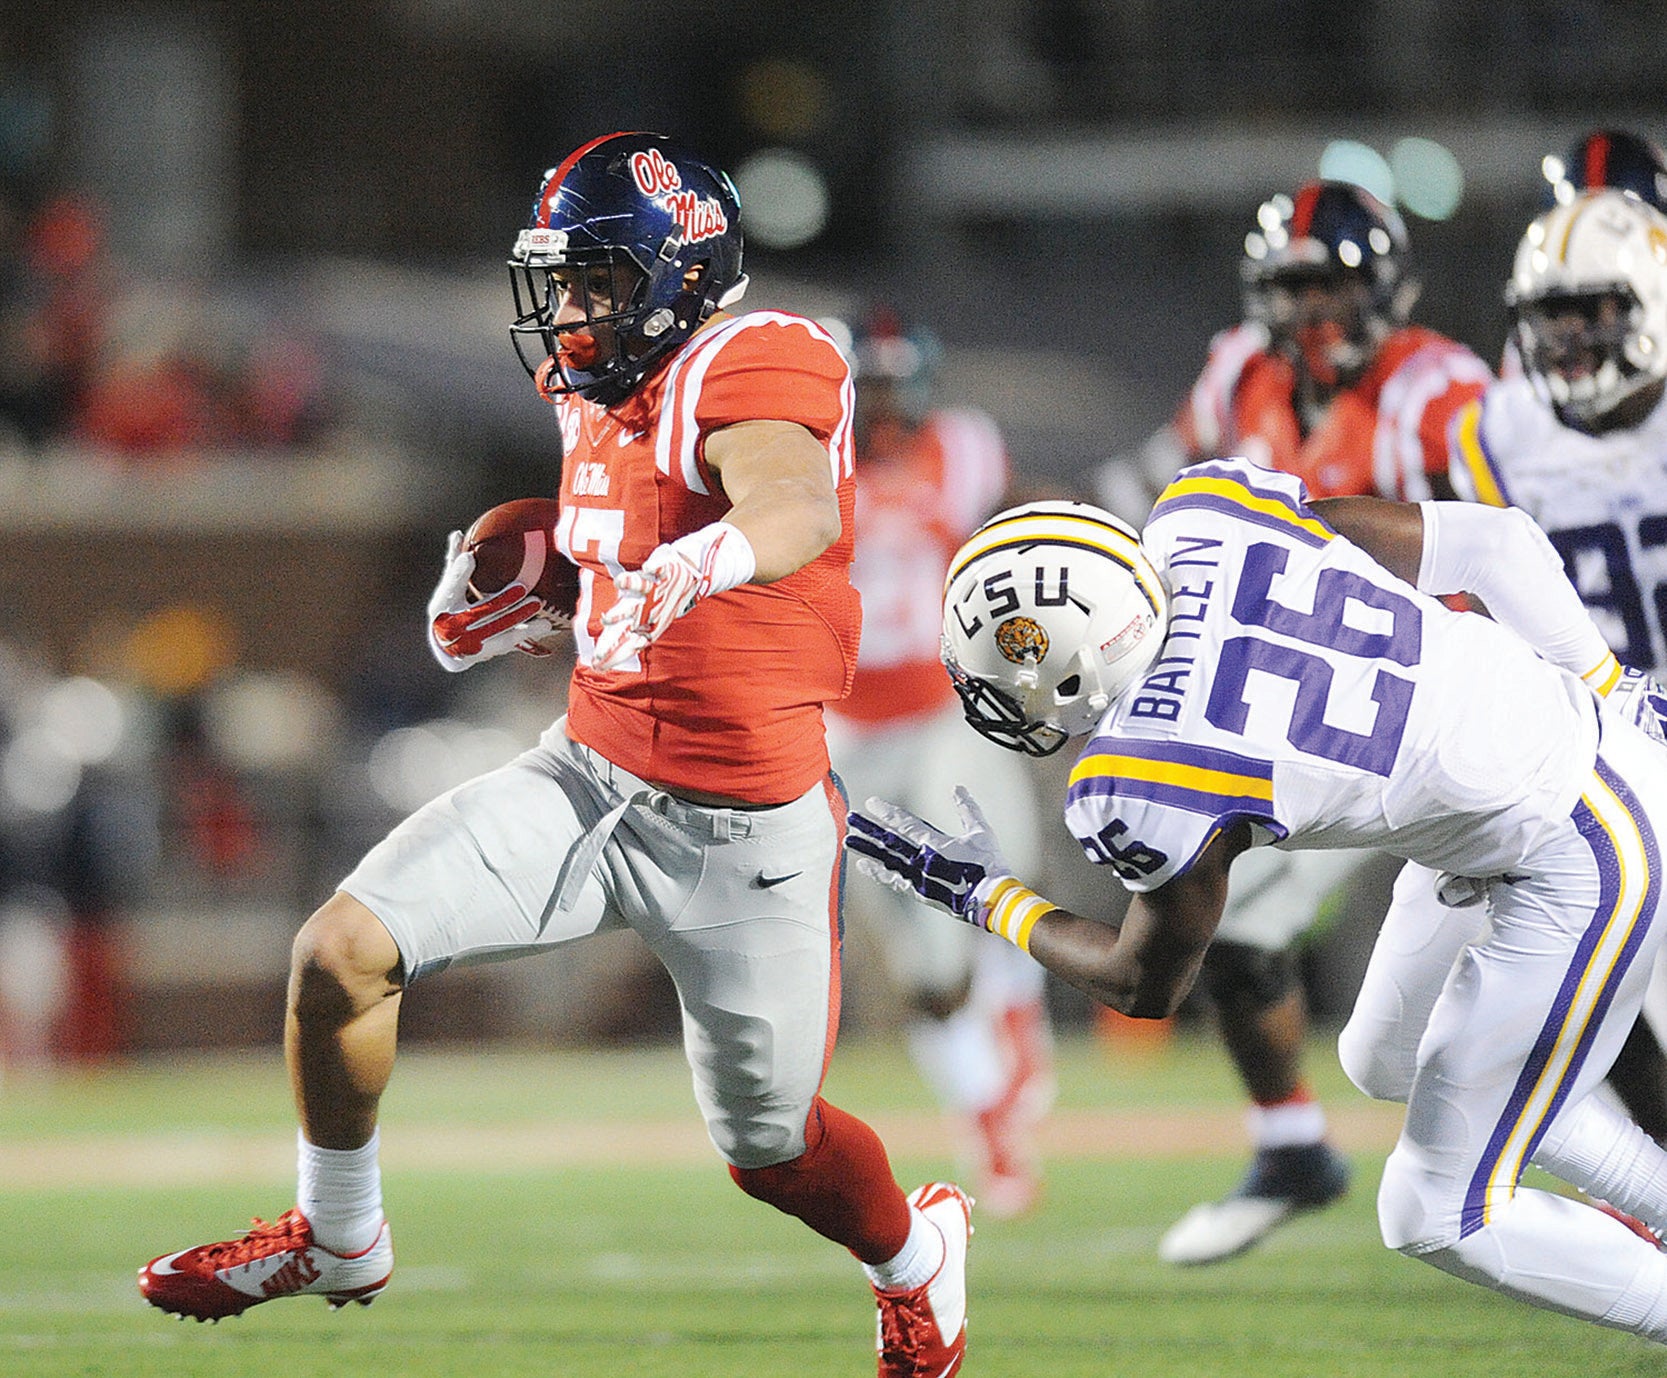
1608,158
662,227
897,364
1338,236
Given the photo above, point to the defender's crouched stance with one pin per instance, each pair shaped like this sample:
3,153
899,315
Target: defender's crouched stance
1250,676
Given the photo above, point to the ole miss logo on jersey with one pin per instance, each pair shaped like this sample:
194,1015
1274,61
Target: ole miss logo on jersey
657,176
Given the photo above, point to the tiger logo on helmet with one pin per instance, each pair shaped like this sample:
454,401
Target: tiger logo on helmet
1022,640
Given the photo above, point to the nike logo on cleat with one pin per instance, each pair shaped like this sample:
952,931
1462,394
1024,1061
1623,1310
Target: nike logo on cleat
765,882
292,1277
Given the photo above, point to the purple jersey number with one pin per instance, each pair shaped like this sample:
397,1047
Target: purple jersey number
1253,607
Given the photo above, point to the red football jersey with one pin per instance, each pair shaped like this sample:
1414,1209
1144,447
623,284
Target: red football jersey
729,701
1386,434
914,508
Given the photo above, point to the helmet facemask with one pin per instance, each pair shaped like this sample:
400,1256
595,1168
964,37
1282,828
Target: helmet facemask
1577,347
1327,323
998,715
621,335
1588,304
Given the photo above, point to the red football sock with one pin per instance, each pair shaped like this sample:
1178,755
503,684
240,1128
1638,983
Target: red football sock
841,1186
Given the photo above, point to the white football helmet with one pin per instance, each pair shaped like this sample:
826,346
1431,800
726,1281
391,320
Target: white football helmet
1588,301
1051,610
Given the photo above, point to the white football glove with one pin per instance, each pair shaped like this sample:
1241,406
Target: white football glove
955,874
461,633
650,600
672,580
1640,700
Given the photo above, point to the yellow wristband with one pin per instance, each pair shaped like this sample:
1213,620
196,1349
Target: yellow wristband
1011,912
1605,675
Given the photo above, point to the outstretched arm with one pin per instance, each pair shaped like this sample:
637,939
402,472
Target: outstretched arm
1143,968
1502,557
1496,553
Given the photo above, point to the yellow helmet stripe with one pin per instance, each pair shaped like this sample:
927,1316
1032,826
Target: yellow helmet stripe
1058,528
1578,209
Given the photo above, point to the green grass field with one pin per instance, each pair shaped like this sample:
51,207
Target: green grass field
558,1214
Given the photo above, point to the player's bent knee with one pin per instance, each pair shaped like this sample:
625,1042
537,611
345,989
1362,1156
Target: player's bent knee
342,950
1374,1066
1407,1217
753,1145
777,1183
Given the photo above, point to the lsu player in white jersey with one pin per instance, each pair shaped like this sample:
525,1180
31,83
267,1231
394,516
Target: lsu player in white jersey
1578,440
975,1018
1250,675
1327,378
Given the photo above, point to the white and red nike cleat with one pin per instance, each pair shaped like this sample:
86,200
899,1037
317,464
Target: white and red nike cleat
923,1333
270,1261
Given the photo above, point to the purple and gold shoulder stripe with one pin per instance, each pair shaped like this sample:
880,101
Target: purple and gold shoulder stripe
1197,779
1471,449
1240,489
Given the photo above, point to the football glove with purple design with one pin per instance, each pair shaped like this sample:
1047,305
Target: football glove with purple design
1641,700
956,874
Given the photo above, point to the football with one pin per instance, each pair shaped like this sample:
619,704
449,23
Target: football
515,543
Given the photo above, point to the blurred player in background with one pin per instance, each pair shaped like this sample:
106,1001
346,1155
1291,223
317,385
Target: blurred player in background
1578,440
975,1018
707,488
1614,158
1256,670
1579,444
1599,158
1326,378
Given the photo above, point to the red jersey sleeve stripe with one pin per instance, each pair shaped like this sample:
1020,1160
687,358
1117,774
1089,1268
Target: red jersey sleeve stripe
681,438
678,435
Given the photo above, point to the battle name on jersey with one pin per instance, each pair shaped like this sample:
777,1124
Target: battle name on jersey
1191,576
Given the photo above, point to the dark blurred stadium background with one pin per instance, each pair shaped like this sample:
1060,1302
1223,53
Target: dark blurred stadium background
254,365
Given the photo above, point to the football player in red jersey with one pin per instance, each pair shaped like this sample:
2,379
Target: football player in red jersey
974,1019
1326,378
707,490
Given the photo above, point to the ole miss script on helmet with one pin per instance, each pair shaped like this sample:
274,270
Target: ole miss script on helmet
515,543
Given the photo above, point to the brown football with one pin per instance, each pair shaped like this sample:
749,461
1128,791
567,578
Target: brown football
515,543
